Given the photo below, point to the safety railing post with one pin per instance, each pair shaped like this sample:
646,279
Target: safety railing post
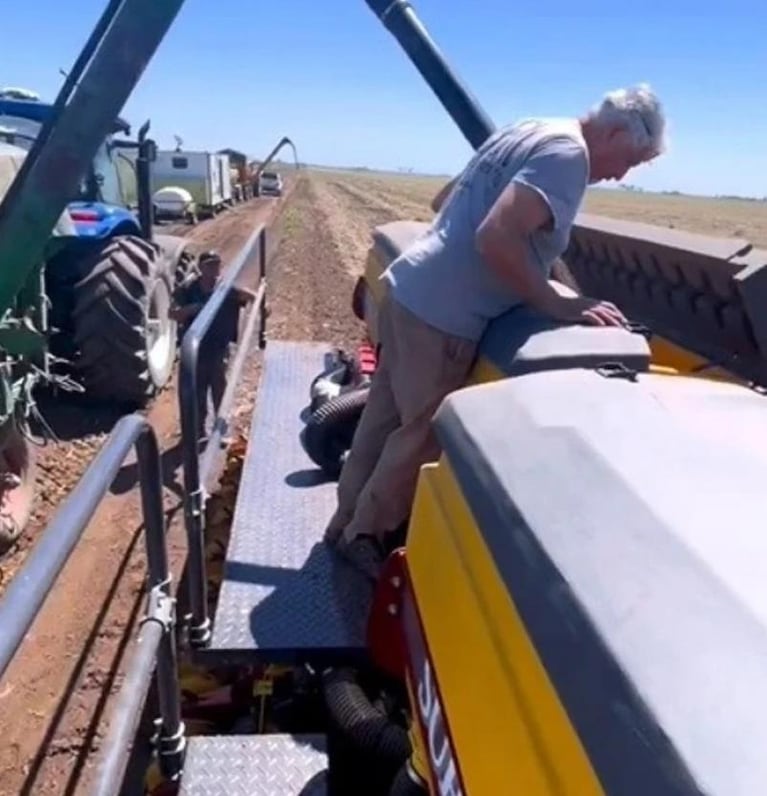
197,621
262,310
170,730
156,646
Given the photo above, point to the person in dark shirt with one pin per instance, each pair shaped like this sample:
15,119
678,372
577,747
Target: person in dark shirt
215,348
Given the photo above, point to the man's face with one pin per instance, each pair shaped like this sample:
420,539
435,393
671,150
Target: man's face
210,270
614,155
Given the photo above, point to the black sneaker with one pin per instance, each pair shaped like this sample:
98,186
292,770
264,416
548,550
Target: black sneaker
364,553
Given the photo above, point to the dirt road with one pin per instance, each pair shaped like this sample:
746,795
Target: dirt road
53,694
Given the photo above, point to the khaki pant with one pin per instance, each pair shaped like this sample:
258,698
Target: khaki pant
418,366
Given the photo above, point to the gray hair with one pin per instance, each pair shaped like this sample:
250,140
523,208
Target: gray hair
637,109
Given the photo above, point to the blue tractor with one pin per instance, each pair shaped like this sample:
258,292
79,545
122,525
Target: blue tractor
108,281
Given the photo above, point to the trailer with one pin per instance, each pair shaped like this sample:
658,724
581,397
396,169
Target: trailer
205,175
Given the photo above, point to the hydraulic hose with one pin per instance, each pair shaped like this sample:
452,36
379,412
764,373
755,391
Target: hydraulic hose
368,728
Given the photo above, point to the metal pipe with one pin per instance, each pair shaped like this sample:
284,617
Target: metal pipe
126,47
127,714
146,149
220,426
29,588
156,643
171,735
150,484
171,740
400,19
198,619
262,275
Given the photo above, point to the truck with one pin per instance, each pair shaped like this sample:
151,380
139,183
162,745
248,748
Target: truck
97,305
205,175
576,607
269,184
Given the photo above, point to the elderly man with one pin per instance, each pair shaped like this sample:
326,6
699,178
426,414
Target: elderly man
501,226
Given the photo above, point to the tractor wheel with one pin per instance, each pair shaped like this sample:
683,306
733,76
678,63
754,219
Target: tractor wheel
125,338
17,485
186,269
328,434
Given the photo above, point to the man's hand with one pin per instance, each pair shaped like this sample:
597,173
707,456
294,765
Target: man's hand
244,295
184,312
582,309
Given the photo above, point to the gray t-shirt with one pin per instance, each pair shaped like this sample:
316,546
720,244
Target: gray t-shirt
441,278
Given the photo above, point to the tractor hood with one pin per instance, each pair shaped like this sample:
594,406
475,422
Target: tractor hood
97,219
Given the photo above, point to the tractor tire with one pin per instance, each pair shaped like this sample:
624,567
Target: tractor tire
18,482
186,270
125,338
328,433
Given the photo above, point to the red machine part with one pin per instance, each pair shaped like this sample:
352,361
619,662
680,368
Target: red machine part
366,359
397,645
385,636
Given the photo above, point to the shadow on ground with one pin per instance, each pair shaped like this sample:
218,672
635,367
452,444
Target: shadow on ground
70,416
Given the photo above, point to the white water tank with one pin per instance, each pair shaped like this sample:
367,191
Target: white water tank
173,201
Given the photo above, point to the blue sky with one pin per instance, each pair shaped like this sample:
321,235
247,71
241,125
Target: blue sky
242,73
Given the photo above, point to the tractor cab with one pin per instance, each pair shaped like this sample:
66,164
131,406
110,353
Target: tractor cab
106,194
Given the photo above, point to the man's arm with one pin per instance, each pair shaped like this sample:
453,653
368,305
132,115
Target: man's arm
502,241
244,295
530,203
442,194
184,312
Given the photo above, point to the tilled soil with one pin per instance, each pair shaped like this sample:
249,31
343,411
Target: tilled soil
54,697
310,291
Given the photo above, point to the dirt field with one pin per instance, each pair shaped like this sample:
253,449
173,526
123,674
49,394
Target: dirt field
721,217
53,698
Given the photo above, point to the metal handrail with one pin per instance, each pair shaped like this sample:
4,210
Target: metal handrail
30,587
196,472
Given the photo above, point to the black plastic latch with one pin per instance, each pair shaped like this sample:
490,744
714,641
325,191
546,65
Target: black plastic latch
636,327
617,370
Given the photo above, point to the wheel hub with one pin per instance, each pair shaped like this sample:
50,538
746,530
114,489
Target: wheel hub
160,335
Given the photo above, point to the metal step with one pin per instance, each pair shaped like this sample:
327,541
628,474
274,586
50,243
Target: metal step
255,765
286,597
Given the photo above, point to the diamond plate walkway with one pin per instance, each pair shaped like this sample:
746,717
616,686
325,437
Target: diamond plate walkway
255,765
285,596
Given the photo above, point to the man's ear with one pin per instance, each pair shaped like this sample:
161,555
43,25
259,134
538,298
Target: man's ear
619,135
